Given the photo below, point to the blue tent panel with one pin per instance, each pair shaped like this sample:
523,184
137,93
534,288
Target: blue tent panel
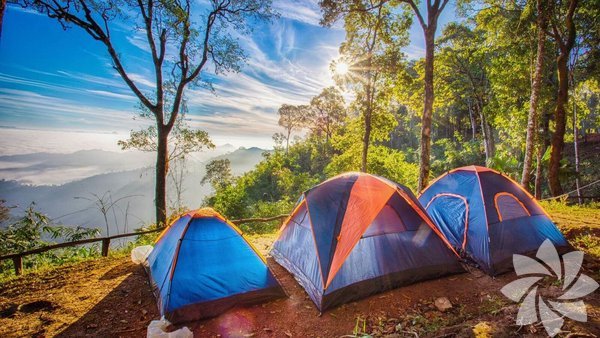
450,214
295,248
326,204
521,235
160,260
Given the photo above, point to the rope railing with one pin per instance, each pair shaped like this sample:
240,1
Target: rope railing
570,192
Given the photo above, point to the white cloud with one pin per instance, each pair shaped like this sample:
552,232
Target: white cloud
32,108
143,80
26,141
306,11
111,94
414,52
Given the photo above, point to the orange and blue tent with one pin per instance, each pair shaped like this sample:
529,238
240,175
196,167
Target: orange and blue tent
357,234
487,217
201,266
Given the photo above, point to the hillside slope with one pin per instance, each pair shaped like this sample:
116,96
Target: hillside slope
111,297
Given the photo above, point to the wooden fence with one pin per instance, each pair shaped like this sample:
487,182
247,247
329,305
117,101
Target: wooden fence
17,258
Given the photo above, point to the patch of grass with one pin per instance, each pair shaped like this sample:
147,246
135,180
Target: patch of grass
360,327
492,304
589,243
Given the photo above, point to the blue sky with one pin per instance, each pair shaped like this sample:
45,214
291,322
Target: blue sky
56,80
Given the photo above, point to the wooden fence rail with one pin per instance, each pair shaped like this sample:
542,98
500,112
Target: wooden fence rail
17,258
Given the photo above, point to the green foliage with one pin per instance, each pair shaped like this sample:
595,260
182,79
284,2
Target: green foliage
28,233
218,173
182,139
278,180
32,231
453,153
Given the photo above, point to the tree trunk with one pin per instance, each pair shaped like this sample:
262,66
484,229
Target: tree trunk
558,139
538,171
535,94
366,139
486,130
427,108
562,99
576,146
287,141
490,139
473,123
544,143
161,176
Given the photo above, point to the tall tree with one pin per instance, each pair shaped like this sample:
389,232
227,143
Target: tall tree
334,8
327,112
563,31
532,119
375,34
181,45
434,9
462,68
218,173
291,118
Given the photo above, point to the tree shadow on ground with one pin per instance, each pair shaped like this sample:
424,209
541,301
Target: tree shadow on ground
125,311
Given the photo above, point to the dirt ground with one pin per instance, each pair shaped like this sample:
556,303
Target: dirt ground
111,297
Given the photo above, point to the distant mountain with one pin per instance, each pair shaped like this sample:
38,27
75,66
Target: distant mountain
74,203
51,169
243,159
56,169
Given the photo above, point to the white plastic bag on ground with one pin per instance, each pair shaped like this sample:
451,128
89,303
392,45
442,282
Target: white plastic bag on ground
140,253
157,328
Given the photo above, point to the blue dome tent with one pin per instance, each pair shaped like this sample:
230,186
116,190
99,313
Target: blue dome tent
487,217
202,265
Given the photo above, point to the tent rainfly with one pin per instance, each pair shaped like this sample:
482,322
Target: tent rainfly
358,234
487,217
202,265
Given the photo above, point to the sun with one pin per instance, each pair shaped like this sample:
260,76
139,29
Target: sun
341,68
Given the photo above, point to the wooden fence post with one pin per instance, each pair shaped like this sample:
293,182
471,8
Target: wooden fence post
18,262
105,244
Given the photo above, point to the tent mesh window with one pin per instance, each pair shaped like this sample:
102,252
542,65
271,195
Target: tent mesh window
509,207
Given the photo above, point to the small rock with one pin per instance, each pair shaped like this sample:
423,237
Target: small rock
287,333
144,312
442,304
91,326
266,329
249,335
123,321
